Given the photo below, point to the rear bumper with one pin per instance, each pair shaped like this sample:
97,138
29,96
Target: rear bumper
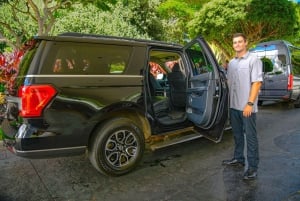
21,141
288,96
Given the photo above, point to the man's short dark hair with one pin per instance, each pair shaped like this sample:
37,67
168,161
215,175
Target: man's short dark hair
240,35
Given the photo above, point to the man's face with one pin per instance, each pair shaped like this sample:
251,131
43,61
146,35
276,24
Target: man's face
239,44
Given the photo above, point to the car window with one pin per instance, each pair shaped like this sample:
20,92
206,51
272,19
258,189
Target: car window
199,60
85,58
163,61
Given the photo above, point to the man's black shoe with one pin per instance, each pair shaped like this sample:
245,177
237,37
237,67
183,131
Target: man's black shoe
233,162
250,174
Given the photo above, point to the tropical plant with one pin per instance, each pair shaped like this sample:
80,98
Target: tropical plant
9,67
174,15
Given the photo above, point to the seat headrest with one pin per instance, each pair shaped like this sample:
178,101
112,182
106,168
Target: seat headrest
176,68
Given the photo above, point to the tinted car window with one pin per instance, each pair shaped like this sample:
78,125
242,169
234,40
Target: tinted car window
199,60
94,59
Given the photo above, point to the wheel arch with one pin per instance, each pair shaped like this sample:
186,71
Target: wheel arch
133,114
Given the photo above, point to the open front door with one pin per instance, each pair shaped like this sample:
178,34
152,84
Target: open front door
207,98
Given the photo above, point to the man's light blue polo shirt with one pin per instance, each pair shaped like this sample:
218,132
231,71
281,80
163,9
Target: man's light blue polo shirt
241,73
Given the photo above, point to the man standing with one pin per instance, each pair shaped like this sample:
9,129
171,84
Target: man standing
245,77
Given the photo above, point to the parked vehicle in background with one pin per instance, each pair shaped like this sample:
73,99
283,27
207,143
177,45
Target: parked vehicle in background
281,71
113,97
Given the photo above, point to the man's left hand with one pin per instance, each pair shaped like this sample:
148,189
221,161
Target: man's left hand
247,111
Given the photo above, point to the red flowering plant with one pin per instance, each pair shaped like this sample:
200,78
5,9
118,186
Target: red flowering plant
9,67
9,63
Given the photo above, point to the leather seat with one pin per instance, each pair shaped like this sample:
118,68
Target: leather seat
177,82
155,87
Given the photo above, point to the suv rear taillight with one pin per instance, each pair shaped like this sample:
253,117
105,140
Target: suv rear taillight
290,82
34,99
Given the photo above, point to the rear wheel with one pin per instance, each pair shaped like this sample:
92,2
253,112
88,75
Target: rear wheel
297,103
117,147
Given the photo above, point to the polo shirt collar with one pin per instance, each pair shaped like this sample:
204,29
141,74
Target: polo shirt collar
245,56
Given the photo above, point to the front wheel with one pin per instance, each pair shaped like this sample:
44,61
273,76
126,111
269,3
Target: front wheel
116,147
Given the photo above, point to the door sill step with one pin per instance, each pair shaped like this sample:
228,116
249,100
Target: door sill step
174,141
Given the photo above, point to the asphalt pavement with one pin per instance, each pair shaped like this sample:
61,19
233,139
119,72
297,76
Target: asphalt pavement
186,172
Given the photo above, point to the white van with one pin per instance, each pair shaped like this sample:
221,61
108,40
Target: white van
281,63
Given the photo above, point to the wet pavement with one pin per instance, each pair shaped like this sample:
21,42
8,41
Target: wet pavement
186,172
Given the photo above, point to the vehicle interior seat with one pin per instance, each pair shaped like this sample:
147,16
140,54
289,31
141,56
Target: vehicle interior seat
159,101
177,83
155,87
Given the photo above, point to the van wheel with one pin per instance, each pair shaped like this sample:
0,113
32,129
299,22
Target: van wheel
117,147
297,103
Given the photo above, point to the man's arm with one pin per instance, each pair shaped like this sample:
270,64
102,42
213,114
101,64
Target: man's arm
255,87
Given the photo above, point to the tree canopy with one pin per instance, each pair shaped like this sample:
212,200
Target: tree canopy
21,19
259,20
92,20
168,20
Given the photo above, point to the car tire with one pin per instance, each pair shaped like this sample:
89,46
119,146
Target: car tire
297,103
116,147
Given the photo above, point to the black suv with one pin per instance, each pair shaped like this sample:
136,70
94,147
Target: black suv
112,97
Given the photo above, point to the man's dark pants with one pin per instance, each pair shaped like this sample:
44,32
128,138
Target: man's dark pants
245,127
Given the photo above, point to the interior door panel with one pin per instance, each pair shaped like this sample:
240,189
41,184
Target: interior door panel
200,98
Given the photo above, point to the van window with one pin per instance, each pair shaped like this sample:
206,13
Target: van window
281,55
274,57
85,58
